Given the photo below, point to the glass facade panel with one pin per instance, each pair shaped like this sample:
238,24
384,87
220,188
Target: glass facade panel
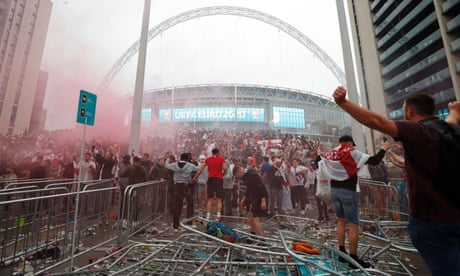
288,117
421,65
396,114
442,113
408,36
455,45
146,115
427,42
453,24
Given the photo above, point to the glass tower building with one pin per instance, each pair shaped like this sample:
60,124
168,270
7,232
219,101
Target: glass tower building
404,48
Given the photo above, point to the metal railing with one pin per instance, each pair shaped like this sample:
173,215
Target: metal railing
36,224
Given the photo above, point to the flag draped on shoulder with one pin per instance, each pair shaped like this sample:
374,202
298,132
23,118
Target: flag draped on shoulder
343,162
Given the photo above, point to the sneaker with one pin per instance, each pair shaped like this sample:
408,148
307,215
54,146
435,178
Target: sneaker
362,263
341,259
176,230
218,219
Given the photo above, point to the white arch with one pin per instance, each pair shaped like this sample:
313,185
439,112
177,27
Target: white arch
229,10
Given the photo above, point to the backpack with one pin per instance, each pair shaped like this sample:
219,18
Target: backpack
448,182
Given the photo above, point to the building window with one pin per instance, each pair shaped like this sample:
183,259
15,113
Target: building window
288,117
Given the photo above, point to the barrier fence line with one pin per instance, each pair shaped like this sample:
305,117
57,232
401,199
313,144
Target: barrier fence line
36,232
384,218
379,200
36,223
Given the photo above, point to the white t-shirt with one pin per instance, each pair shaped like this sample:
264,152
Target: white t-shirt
86,173
298,175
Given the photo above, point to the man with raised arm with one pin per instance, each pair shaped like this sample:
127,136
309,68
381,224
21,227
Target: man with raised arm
434,223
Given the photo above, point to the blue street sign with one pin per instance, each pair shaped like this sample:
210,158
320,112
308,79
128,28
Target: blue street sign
86,108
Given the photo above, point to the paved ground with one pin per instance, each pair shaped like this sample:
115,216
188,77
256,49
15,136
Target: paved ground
162,229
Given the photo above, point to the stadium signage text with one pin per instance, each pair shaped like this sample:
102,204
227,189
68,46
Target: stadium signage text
204,114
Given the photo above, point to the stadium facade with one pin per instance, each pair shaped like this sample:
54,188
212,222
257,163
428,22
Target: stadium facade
245,107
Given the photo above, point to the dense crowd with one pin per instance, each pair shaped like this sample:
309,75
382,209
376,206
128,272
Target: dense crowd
61,147
56,154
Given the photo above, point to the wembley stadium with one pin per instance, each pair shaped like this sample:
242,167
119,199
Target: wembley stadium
242,106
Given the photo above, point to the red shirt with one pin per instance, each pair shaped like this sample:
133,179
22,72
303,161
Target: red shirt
215,165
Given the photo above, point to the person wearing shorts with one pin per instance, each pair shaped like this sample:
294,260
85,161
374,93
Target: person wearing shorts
217,167
342,165
255,198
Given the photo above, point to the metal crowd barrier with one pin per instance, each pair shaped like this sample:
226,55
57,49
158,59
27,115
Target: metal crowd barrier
42,182
37,224
400,186
384,219
198,250
378,200
142,204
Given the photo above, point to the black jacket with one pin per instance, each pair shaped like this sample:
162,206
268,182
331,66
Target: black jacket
105,166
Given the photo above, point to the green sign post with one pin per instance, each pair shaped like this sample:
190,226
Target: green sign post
85,115
86,108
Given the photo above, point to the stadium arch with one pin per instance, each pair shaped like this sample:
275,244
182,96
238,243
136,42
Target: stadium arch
229,10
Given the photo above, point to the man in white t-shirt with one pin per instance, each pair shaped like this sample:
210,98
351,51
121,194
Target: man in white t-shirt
298,176
87,168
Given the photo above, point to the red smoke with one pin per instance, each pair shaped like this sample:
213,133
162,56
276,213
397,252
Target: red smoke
110,118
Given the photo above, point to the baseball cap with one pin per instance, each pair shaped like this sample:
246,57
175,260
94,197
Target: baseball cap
347,138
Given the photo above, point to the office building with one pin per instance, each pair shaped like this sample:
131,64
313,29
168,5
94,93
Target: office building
23,29
404,48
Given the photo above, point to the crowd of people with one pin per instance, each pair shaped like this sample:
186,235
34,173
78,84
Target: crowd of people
285,163
56,154
282,160
245,172
265,172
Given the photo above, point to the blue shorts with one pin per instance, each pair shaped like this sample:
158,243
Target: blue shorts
345,204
